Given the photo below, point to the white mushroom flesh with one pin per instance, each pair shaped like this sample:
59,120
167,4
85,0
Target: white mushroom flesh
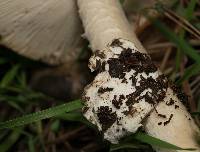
124,92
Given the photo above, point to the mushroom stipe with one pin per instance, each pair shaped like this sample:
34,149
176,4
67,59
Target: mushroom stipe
104,22
126,89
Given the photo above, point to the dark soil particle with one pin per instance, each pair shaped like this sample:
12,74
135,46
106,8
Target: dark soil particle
118,121
106,117
85,109
171,102
168,121
121,97
127,61
161,115
176,106
84,97
130,99
134,80
117,103
103,90
99,54
116,69
157,86
139,62
102,67
181,96
116,43
160,123
98,65
126,112
124,80
131,111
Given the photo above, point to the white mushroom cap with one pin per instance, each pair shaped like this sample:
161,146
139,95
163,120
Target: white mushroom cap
46,30
124,92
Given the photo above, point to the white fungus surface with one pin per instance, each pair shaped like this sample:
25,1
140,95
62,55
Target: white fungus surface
112,101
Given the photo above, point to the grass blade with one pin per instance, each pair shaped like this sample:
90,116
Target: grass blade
157,142
189,12
3,61
10,140
40,115
31,145
9,76
125,146
189,72
182,44
195,113
75,116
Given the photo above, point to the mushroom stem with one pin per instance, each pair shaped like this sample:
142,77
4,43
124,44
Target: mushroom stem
104,21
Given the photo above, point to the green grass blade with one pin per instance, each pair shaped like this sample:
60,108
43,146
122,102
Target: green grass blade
157,142
22,80
31,145
3,134
189,12
75,116
44,114
9,76
10,140
125,146
195,113
55,126
72,116
189,72
3,61
15,105
181,43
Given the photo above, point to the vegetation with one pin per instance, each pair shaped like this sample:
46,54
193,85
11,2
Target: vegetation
176,51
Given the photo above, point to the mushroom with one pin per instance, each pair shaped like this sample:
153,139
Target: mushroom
46,30
129,90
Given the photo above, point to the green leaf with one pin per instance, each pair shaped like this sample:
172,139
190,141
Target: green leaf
9,76
178,61
3,134
16,106
157,142
126,146
55,126
195,113
3,61
180,42
22,80
31,146
189,72
10,140
40,115
75,116
189,12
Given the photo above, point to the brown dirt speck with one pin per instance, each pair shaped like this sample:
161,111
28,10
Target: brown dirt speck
106,117
168,121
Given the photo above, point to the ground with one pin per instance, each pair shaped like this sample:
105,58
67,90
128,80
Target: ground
27,86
